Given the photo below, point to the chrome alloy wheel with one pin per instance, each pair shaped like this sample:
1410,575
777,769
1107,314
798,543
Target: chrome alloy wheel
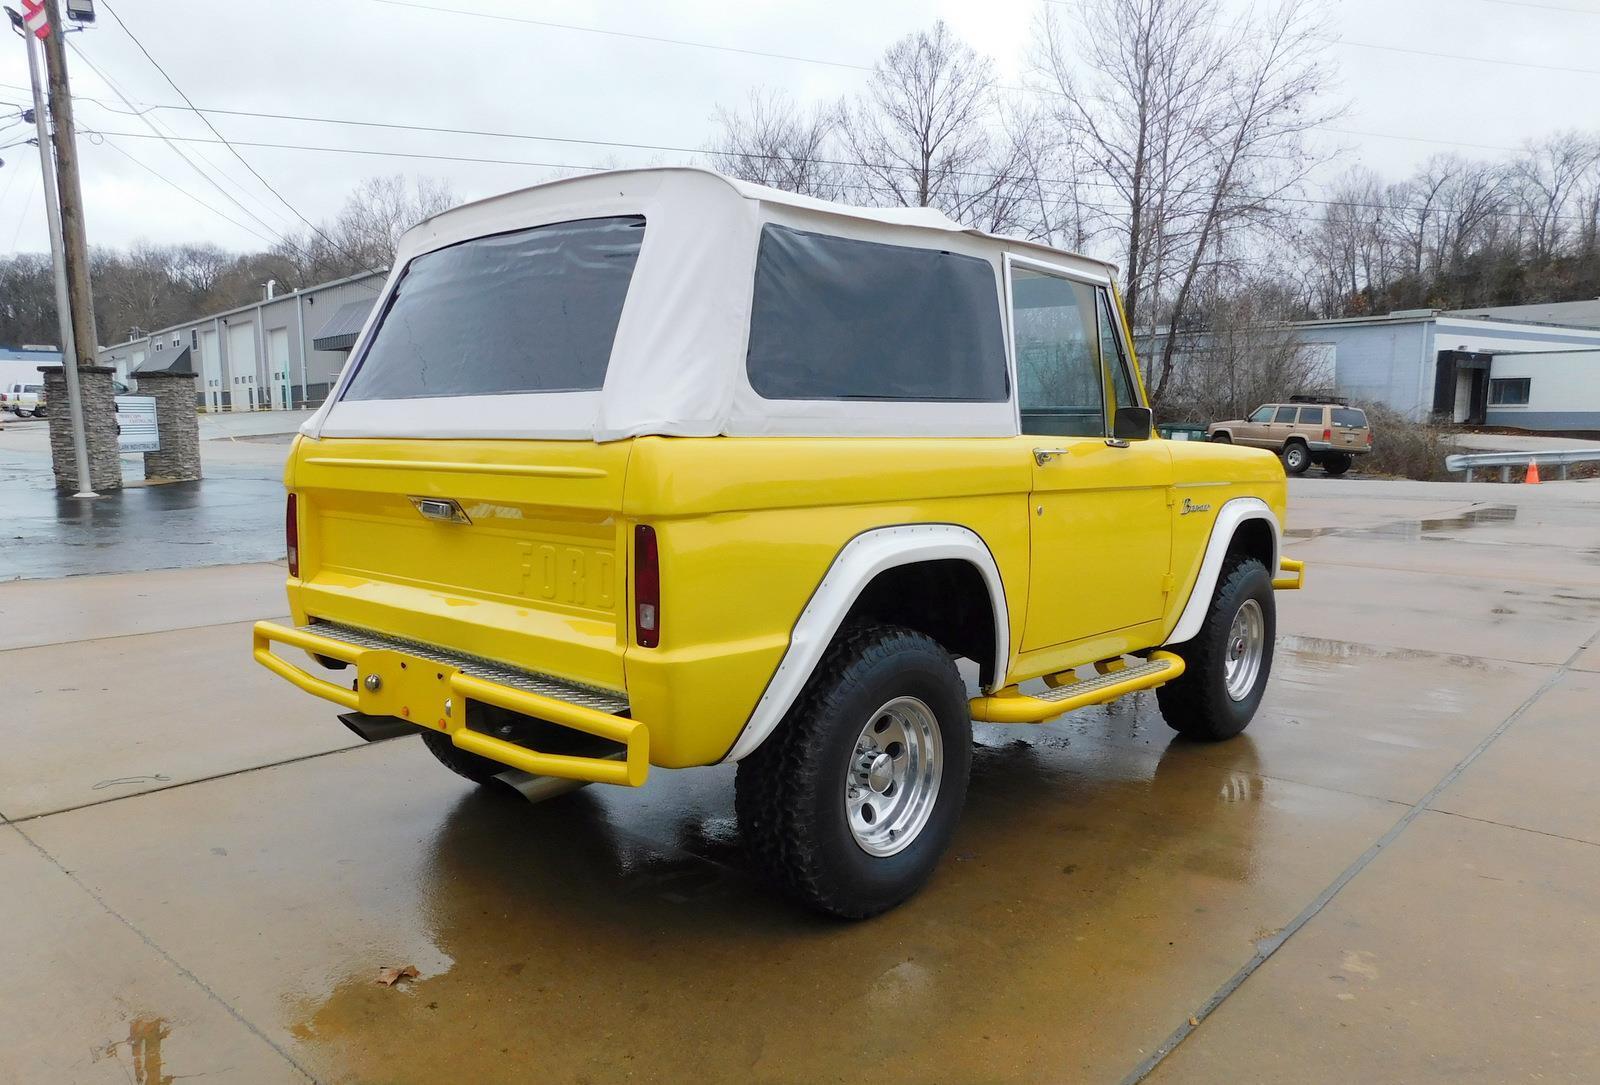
1247,644
893,779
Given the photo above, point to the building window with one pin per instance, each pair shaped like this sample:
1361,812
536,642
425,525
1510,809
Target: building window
1509,392
194,339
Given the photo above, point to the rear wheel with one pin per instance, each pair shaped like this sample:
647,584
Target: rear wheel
1337,464
848,806
480,770
1296,458
1227,664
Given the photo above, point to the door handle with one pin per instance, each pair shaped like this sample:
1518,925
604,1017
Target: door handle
1042,456
1116,442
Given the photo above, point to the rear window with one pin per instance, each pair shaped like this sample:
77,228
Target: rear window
1349,417
835,318
530,311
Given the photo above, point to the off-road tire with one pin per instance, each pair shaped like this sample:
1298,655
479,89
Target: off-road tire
1296,458
1197,704
480,770
789,794
1337,464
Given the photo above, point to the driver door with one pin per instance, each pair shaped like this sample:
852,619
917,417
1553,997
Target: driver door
1100,524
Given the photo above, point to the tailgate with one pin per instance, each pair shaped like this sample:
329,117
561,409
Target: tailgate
532,573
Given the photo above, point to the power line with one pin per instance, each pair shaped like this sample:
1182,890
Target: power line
315,229
1545,7
1070,183
27,205
183,191
1458,56
149,122
686,43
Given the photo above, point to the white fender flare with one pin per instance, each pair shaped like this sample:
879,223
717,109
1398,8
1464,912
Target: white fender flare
861,559
1229,517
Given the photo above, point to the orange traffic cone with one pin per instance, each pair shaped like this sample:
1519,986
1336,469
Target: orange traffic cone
1532,477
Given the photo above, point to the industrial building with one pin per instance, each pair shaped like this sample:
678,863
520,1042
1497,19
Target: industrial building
282,352
1466,368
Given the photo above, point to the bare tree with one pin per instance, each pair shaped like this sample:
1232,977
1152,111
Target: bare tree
1195,129
1546,178
363,236
924,134
772,141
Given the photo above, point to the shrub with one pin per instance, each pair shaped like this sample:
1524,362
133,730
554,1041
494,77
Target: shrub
1402,448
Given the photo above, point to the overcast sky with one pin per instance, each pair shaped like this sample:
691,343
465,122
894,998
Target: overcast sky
376,60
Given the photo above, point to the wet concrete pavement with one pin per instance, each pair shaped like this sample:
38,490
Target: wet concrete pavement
234,514
1394,875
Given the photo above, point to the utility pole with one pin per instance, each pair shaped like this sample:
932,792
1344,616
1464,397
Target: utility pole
69,358
73,230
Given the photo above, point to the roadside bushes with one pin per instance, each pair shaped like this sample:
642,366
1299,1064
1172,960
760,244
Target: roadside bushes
1402,448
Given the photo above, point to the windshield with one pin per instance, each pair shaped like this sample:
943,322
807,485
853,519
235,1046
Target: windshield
531,311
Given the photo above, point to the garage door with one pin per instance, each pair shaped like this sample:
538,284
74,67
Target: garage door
242,366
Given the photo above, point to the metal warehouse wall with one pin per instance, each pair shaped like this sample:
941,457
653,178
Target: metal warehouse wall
1393,362
260,356
1379,363
1563,390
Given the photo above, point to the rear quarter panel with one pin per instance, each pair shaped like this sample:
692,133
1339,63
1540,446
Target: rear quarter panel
748,527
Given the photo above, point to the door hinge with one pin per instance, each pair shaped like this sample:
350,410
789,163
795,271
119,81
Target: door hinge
1167,584
1172,496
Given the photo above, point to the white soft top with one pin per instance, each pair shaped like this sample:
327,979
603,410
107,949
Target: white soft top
678,362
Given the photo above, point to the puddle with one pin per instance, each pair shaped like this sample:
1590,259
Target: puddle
1413,530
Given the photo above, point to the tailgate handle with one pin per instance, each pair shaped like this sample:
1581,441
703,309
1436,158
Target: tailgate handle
446,510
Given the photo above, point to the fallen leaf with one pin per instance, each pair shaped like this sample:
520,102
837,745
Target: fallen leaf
388,977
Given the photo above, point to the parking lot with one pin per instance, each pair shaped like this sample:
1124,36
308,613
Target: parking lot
1393,875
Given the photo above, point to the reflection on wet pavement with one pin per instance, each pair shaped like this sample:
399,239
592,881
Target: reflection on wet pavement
1106,883
1430,528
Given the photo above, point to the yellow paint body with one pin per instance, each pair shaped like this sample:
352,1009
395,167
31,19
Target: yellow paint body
747,528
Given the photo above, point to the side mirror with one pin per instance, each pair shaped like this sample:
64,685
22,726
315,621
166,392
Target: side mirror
1132,424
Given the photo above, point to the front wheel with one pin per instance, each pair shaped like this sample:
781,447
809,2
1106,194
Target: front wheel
1221,439
1337,464
1296,458
850,803
1227,663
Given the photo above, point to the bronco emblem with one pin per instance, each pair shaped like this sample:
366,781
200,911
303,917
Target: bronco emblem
1190,506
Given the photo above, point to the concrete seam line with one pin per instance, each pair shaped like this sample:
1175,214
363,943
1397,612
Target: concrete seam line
181,969
1267,948
1516,828
189,783
140,633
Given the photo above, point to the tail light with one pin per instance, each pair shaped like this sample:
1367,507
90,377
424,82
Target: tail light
1369,437
1327,434
291,534
646,586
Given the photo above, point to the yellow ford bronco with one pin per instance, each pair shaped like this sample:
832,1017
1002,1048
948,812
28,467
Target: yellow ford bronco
658,468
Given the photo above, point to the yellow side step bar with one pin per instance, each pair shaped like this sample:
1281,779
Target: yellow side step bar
433,694
1115,680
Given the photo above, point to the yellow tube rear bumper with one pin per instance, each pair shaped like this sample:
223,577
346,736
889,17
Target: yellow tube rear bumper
433,695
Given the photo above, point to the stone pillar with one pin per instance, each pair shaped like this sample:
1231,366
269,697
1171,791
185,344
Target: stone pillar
176,422
100,427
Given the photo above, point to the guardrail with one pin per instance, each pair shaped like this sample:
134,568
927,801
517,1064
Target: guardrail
1505,461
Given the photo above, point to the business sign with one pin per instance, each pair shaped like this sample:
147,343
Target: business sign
136,424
